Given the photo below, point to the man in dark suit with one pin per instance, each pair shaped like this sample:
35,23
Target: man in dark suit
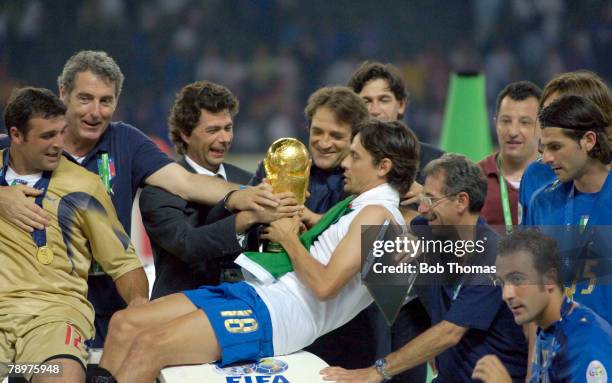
188,252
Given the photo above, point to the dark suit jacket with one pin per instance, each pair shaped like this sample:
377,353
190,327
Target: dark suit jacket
428,154
187,252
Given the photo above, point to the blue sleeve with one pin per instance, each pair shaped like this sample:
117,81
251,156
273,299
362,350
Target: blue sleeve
529,184
475,307
5,142
147,158
259,175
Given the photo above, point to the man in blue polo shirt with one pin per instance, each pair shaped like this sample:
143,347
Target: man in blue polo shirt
125,159
575,147
581,83
469,318
573,343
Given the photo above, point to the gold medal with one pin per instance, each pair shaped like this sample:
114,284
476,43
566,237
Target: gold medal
44,255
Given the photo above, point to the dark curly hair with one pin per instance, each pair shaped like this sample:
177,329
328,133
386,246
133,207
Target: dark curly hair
369,71
27,103
188,106
395,141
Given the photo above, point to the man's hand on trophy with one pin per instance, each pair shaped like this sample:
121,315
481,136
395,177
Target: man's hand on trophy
288,207
252,198
282,229
310,218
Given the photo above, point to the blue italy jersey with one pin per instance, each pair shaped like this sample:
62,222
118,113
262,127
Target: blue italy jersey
536,176
576,349
582,225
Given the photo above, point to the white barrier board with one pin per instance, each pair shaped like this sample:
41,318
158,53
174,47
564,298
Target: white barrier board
300,367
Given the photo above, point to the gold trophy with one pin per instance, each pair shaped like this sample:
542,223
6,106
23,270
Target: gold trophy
287,166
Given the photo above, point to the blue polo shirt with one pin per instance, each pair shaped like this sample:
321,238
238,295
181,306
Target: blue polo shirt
133,157
480,308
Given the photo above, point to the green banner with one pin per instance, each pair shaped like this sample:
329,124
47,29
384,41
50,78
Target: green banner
466,127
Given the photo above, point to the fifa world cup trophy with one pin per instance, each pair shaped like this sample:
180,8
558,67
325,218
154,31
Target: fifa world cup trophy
287,166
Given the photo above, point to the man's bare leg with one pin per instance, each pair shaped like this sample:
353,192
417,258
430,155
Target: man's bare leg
126,325
188,339
71,371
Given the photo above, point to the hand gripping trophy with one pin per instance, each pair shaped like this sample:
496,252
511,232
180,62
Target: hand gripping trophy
287,166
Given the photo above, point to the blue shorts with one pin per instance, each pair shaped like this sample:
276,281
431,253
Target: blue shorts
239,318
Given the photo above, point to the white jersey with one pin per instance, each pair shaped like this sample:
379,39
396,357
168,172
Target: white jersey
298,316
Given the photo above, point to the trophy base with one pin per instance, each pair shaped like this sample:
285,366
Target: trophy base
273,247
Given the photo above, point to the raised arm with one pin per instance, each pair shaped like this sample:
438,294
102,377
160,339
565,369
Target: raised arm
208,189
326,280
419,350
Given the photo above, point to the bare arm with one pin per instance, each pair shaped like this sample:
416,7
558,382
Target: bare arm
426,346
422,348
190,186
208,189
133,287
326,280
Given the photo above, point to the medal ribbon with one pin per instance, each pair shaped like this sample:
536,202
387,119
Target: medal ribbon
39,236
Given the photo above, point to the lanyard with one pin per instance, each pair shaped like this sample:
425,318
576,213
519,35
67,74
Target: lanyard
505,200
39,236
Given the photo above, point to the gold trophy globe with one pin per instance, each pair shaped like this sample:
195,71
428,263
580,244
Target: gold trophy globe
287,166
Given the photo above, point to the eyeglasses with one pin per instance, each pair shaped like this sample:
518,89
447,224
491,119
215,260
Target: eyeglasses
431,201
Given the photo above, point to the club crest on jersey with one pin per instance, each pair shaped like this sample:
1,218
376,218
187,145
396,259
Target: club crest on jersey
111,167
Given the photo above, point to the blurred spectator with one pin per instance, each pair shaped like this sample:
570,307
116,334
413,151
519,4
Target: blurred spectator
272,54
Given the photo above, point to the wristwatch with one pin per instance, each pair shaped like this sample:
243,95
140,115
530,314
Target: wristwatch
381,368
